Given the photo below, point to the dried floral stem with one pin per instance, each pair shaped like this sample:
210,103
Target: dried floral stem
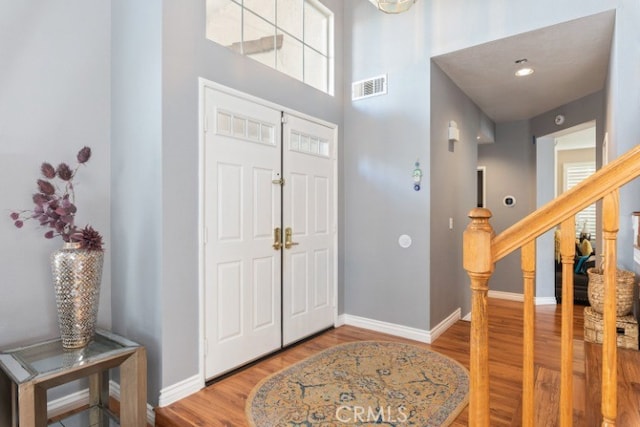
56,209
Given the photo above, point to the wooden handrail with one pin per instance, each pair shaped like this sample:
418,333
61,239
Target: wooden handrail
607,179
482,249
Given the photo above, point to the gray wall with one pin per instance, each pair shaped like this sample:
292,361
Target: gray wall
545,244
55,96
512,169
586,109
384,134
453,192
49,109
459,24
187,55
383,138
54,99
488,20
136,174
510,163
590,107
623,110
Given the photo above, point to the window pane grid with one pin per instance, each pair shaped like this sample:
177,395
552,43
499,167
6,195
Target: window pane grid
256,39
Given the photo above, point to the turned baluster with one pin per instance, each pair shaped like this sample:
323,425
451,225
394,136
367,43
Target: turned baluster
528,264
567,252
610,226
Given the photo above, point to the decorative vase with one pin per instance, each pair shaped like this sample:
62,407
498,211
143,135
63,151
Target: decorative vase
76,276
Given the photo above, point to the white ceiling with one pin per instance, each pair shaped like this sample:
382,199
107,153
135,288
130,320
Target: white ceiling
570,61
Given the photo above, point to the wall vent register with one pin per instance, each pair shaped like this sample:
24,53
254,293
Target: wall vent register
369,87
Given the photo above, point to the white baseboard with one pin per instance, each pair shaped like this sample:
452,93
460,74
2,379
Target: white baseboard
441,327
512,296
80,398
180,390
68,403
545,301
467,317
509,296
400,330
388,328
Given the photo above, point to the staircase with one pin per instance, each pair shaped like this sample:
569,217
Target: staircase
483,249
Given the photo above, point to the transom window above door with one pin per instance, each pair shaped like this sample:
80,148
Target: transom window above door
292,36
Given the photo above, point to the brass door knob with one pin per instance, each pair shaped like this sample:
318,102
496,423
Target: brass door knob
288,235
277,239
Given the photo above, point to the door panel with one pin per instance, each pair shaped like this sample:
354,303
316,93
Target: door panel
264,219
229,300
298,212
242,272
308,201
264,279
322,199
257,297
229,201
298,272
321,282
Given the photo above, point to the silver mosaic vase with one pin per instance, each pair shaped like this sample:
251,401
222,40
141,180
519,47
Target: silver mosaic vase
76,277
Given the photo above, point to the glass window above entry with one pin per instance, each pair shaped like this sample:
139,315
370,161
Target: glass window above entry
294,37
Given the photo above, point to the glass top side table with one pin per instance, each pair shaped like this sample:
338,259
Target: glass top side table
27,372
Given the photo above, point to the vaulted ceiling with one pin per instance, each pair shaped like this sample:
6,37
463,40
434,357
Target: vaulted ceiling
570,61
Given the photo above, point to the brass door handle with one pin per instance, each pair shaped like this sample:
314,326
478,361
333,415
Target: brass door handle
288,243
277,239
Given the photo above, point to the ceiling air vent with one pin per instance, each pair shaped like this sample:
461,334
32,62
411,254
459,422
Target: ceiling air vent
369,87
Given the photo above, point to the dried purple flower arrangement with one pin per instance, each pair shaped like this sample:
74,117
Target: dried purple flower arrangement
56,209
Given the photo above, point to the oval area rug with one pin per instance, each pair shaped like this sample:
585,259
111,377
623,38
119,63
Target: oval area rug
363,383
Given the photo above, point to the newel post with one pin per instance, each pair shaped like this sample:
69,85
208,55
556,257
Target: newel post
478,262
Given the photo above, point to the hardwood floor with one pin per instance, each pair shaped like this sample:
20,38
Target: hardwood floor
223,402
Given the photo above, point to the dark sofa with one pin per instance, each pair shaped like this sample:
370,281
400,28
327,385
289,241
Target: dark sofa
580,281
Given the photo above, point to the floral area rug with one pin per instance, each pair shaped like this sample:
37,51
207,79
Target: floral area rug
366,383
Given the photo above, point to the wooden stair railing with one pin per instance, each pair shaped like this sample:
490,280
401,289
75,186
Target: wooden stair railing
482,249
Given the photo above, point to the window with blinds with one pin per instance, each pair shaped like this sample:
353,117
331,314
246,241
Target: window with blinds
574,173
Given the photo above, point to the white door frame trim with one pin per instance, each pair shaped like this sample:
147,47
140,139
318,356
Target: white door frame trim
204,84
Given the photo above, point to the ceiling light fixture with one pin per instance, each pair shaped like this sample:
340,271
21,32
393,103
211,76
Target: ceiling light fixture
524,69
393,6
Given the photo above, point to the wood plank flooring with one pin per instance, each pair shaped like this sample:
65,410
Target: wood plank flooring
223,402
547,396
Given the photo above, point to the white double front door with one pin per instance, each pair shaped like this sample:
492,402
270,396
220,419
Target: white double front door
270,229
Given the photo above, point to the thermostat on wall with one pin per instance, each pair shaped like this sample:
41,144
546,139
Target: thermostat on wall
509,201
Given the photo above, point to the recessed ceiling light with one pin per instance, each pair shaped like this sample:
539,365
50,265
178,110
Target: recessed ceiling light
524,69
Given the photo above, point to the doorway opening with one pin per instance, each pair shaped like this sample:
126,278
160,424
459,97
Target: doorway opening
573,152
